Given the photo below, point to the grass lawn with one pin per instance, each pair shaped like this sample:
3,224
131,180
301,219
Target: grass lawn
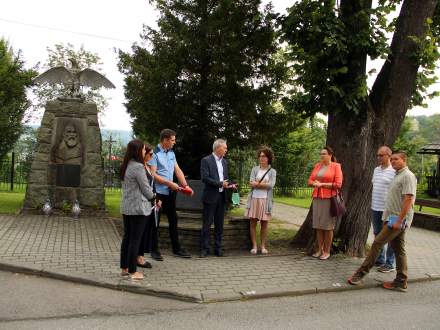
113,203
428,210
280,233
300,202
11,202
305,203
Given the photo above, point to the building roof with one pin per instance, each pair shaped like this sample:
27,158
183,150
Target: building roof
430,149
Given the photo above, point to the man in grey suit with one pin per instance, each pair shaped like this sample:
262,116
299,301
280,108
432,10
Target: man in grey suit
214,174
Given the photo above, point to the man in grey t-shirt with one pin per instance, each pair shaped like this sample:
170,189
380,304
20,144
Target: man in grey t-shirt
398,215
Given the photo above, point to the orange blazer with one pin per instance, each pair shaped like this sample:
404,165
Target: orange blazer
333,174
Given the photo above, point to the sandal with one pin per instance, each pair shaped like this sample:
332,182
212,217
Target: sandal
264,251
316,255
137,276
324,257
254,251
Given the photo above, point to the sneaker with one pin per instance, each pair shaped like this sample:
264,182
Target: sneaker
182,254
356,278
394,286
386,269
378,264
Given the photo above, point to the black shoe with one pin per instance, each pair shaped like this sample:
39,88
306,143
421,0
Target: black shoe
146,264
156,256
182,254
219,253
203,254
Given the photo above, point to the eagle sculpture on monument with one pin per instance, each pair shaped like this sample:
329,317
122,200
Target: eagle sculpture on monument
74,78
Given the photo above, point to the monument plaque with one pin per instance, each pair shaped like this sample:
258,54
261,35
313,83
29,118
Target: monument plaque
68,175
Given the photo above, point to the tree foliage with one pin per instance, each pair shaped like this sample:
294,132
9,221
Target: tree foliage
414,134
296,153
330,42
210,70
14,79
59,55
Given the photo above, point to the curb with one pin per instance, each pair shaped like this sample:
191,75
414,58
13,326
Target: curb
124,285
120,285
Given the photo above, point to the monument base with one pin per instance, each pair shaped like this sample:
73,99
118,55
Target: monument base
235,233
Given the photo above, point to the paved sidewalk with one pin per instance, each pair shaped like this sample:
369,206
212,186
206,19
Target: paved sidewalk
87,251
290,214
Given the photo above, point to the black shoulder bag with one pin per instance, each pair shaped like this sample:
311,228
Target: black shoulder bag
337,204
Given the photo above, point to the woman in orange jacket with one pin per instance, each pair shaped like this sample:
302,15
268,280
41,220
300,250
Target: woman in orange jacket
326,178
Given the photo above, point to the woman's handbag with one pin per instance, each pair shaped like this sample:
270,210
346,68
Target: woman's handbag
337,204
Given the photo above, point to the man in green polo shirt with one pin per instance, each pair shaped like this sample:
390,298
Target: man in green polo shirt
397,217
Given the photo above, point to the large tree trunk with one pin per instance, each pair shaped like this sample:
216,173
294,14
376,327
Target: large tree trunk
356,138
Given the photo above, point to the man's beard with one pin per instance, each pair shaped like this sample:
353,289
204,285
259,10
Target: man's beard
71,142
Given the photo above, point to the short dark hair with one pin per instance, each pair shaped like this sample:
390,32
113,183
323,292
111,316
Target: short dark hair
166,134
268,152
402,154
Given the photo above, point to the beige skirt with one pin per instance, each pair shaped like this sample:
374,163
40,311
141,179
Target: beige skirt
258,210
321,214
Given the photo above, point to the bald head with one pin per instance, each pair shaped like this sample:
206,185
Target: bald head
383,156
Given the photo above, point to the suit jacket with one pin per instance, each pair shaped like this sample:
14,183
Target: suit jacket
136,191
209,175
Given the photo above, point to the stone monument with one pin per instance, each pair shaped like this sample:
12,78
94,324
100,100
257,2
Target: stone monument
67,165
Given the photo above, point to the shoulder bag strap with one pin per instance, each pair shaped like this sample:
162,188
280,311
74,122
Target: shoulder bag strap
264,174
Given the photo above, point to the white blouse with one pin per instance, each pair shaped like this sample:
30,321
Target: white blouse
261,193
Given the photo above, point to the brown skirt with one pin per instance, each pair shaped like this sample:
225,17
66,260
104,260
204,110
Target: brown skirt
258,210
321,214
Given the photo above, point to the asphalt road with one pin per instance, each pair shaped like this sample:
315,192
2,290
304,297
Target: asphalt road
30,302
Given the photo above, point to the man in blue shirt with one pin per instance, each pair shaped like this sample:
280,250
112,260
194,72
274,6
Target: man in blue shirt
164,166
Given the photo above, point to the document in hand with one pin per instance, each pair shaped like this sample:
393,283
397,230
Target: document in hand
392,219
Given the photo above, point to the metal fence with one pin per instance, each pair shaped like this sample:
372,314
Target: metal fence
14,174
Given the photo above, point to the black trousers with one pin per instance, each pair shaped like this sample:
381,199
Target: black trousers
134,226
213,212
169,209
149,242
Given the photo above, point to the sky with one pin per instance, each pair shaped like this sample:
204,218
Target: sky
101,26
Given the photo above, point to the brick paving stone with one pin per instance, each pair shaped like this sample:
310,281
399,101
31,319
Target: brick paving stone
90,246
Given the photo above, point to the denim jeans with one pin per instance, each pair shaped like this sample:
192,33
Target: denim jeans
386,256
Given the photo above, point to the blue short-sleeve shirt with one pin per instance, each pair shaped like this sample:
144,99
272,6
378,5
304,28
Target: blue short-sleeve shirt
165,162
